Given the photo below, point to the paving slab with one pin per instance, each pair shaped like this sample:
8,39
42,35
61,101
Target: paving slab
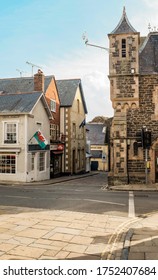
136,256
27,251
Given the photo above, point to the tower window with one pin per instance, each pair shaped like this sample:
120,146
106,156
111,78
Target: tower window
123,47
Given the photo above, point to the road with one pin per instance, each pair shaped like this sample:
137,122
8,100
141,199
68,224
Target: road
88,195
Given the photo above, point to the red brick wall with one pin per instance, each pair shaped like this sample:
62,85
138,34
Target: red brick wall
52,93
39,81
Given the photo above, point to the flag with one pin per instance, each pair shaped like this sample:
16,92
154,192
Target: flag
83,123
40,139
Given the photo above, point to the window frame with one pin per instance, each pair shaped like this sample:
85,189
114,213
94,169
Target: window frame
6,132
123,47
32,161
11,166
53,105
42,164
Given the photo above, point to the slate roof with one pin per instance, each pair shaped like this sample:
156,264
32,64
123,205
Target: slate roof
18,103
67,91
148,55
124,25
22,84
97,133
66,88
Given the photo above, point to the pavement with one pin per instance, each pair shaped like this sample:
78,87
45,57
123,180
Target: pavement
54,234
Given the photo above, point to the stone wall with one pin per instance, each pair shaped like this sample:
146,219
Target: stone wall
145,115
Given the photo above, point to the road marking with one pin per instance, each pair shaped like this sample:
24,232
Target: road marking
93,200
106,202
115,238
131,207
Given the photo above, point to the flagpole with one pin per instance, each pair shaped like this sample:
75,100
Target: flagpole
31,138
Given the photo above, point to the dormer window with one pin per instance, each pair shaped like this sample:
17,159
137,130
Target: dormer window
123,47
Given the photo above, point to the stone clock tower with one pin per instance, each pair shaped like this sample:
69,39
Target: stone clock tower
124,43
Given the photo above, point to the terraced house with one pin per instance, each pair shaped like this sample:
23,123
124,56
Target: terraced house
73,112
133,75
24,127
66,103
47,85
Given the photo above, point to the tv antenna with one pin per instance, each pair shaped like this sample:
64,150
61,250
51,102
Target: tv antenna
33,65
85,39
20,72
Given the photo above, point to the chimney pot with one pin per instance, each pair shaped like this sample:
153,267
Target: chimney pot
39,81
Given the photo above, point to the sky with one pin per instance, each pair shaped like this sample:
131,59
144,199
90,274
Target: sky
49,34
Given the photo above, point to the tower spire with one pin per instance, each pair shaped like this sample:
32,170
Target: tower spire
124,25
124,11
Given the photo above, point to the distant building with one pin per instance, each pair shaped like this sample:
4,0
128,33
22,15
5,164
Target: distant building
88,152
98,146
133,74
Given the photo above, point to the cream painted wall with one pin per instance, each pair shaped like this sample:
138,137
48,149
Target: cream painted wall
102,164
27,126
77,115
68,116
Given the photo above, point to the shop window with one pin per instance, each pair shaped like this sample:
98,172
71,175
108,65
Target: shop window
7,164
32,161
41,161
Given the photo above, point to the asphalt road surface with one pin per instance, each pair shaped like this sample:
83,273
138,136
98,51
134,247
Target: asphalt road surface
87,195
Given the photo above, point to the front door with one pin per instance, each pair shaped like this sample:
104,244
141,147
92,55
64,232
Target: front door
156,166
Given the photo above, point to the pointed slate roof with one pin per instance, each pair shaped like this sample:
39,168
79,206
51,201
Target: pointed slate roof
18,103
96,133
124,25
21,103
67,91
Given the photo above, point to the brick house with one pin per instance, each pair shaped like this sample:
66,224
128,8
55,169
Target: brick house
73,112
47,85
133,75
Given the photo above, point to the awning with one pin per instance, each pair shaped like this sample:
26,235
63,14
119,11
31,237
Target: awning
57,152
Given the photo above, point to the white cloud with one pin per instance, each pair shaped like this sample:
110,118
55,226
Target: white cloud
97,93
151,3
92,67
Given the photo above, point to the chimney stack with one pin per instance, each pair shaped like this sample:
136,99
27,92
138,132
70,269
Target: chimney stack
39,81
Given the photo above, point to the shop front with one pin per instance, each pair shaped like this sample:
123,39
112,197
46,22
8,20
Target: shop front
56,153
